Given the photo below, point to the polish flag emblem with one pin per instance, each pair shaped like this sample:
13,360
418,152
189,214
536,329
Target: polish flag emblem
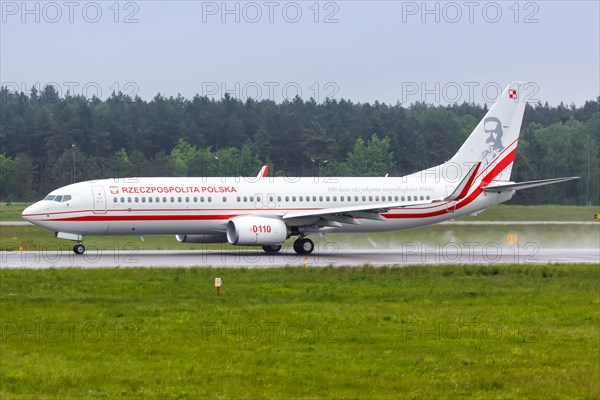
114,189
512,93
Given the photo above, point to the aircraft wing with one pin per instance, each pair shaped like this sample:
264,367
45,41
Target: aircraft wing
504,187
345,215
335,217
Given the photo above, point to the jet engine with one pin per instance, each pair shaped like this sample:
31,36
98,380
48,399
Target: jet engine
256,231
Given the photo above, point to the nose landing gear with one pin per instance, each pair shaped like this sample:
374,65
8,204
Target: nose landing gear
79,248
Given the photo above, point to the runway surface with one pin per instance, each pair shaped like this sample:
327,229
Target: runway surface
455,254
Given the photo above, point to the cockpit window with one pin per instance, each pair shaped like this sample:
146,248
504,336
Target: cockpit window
66,197
58,198
49,197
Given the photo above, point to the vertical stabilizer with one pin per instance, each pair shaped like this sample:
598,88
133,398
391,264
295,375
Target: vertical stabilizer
494,140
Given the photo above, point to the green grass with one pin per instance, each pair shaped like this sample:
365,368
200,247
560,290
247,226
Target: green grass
505,212
12,211
282,333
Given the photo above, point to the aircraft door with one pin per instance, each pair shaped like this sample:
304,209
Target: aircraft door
99,199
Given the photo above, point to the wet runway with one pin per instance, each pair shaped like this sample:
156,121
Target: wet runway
410,254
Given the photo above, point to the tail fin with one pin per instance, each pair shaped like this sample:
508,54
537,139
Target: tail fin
493,142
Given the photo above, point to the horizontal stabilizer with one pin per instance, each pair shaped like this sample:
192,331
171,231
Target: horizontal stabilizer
505,187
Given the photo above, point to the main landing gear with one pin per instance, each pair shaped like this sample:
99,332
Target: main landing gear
79,248
272,249
303,246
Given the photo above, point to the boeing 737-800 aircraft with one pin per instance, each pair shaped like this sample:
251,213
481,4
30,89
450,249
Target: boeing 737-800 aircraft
265,211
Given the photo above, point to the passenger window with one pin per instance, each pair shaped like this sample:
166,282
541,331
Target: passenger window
301,198
376,198
122,199
314,198
258,199
364,198
179,199
149,199
137,200
334,198
251,199
187,199
370,198
143,199
320,198
224,199
195,199
287,198
209,199
172,199
245,199
115,199
279,199
238,199
164,199
396,198
422,198
202,199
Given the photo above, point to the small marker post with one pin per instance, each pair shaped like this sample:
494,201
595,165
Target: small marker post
305,261
218,284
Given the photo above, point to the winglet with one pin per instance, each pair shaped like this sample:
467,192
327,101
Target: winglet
264,171
463,187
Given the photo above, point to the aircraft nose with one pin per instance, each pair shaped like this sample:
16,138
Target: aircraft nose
30,212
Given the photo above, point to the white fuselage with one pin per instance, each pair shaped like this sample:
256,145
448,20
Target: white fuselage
160,206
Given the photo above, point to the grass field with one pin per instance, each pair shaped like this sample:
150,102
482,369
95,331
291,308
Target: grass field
283,333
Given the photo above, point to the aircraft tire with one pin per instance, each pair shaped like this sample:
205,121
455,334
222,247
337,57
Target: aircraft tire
272,249
79,248
304,246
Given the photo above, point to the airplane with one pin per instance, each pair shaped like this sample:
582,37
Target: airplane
266,211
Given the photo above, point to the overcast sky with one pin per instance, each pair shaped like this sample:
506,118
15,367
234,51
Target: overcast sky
438,52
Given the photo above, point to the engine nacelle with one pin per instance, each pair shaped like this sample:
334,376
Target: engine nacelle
208,238
256,231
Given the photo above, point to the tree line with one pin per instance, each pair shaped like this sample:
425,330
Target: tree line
48,140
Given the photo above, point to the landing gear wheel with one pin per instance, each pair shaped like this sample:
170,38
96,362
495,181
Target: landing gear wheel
272,249
304,246
79,248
